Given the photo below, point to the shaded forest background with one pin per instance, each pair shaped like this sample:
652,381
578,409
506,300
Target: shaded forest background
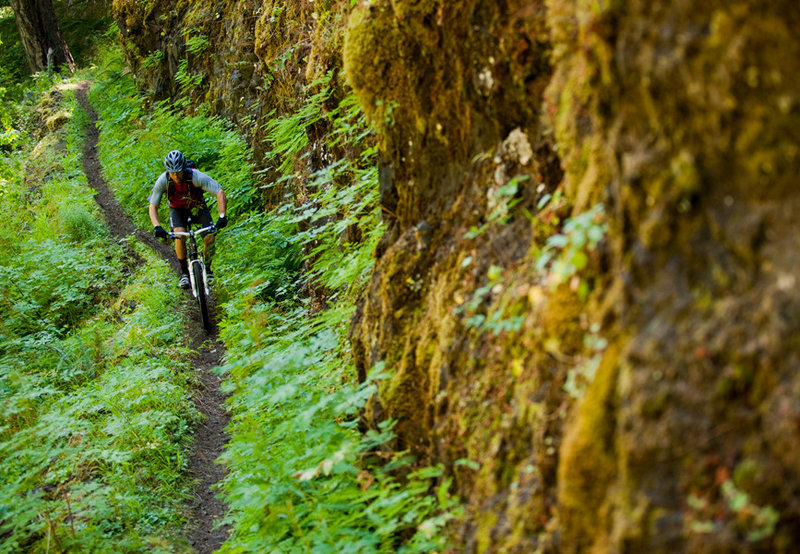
555,242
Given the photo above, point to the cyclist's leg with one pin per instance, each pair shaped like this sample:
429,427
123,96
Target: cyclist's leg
208,240
178,222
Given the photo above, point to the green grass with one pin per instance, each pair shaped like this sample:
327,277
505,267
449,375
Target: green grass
95,394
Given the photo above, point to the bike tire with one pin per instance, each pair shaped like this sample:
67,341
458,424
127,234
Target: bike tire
202,301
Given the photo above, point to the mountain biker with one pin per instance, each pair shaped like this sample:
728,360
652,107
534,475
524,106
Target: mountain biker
184,186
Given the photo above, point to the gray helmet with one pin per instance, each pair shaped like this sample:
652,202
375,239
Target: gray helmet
174,161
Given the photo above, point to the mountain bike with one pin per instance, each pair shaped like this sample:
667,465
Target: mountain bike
197,268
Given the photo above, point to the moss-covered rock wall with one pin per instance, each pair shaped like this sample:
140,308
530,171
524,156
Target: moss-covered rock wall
680,120
586,293
457,308
690,140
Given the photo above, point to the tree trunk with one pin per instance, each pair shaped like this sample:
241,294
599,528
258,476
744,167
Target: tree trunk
41,36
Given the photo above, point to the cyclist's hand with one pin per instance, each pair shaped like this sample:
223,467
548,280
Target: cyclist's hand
159,232
222,222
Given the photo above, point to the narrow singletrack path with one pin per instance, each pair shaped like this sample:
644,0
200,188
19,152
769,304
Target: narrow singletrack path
206,510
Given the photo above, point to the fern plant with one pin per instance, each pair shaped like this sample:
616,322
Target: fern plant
318,483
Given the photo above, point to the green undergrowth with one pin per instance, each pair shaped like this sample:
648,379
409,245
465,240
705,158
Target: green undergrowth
302,475
95,394
135,138
13,66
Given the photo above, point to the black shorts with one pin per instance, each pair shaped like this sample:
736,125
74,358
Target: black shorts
181,217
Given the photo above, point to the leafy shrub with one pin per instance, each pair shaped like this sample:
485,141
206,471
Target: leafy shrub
79,224
259,258
51,286
301,475
13,64
94,427
566,253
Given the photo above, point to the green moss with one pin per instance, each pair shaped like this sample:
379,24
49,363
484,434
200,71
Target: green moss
588,465
486,524
561,321
133,12
371,62
574,95
746,474
654,407
407,397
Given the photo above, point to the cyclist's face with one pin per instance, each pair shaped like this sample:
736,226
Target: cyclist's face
176,177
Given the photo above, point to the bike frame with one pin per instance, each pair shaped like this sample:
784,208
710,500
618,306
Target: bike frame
193,255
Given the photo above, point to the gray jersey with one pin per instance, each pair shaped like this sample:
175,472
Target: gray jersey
199,179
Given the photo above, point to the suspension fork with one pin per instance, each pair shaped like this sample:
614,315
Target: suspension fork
192,263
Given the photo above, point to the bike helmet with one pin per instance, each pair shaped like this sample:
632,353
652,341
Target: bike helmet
174,161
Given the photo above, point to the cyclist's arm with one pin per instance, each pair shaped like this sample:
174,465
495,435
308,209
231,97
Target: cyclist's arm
222,202
210,186
155,198
154,215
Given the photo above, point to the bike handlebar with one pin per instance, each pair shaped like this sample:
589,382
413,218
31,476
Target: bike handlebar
210,230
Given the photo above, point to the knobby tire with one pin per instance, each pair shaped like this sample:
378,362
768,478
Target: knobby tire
201,296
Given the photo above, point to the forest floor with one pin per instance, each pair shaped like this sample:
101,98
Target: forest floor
206,510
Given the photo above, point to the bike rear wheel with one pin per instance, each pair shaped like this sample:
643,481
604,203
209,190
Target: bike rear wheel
202,301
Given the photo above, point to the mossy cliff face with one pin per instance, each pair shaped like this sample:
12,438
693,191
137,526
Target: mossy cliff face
649,401
445,82
479,346
682,120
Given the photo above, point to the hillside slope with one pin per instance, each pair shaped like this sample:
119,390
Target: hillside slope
585,293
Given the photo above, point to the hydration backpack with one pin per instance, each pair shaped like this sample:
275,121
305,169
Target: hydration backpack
195,194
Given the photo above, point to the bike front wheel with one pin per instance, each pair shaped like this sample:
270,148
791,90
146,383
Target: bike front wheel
202,301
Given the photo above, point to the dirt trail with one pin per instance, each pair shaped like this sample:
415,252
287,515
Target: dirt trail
210,438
